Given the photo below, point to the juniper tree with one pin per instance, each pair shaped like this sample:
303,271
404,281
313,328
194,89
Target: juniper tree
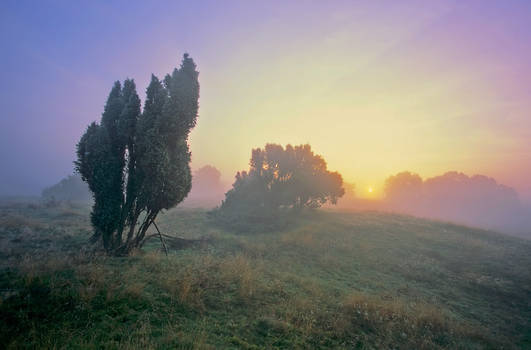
137,163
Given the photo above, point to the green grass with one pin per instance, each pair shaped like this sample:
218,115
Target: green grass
330,280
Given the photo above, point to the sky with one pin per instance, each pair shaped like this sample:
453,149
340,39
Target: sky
376,87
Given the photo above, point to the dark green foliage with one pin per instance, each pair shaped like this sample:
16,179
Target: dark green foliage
137,163
280,179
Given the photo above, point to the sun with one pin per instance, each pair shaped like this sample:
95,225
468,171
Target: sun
370,189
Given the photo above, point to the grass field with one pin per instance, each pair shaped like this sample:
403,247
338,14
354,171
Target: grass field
363,280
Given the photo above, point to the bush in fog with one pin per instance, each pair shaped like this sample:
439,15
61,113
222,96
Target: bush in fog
71,188
137,163
281,178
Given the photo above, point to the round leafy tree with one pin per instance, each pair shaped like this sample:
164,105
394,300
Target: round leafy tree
292,177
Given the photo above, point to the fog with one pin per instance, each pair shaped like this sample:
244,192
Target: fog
207,188
477,200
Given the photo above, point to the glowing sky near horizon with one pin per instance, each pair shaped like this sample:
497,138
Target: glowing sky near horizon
376,87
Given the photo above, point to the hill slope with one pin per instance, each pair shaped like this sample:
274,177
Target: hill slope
330,280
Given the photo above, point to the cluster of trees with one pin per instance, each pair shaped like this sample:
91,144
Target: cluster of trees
282,178
475,200
136,162
71,188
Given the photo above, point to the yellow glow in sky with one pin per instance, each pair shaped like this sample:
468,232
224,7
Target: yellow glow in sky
373,99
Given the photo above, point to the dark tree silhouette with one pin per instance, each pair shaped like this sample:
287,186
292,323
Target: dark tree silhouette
137,163
291,177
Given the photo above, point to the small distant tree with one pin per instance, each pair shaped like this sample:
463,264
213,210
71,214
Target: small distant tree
71,188
136,163
207,188
290,177
207,179
403,187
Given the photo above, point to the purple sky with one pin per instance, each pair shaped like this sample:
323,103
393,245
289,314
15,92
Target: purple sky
60,58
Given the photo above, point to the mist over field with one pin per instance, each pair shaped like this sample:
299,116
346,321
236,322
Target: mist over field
477,201
265,175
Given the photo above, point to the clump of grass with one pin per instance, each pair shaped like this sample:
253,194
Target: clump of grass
410,325
301,237
193,284
237,270
190,286
16,223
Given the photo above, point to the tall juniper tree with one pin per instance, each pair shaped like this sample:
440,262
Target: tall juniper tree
137,163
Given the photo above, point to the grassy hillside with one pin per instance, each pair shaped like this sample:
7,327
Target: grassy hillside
330,280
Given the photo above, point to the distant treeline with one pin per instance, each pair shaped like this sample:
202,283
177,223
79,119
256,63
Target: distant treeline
471,200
